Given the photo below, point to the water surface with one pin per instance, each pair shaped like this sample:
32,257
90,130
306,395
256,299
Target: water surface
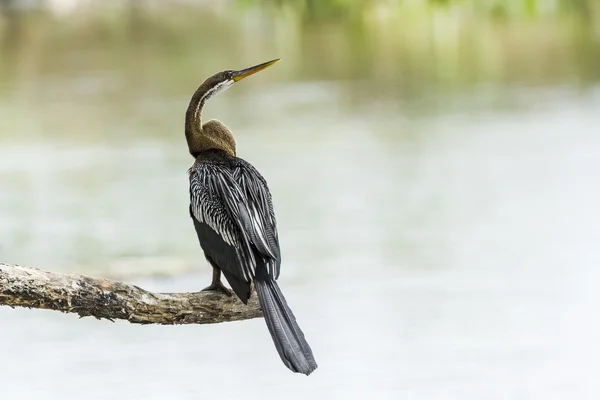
436,195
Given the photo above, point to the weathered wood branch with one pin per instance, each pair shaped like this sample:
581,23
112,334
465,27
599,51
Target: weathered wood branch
102,298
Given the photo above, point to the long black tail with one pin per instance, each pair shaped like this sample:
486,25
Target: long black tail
287,336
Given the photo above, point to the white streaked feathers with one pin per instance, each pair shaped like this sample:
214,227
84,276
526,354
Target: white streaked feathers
236,204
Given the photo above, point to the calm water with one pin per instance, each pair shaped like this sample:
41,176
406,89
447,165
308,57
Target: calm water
437,199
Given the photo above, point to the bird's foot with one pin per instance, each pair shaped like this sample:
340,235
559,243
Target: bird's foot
218,287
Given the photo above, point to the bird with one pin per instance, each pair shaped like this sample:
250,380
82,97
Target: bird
232,210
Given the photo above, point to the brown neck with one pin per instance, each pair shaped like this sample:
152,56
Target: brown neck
193,119
210,135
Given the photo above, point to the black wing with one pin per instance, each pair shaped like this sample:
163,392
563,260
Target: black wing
234,219
257,193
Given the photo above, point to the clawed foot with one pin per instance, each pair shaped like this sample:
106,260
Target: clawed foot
219,287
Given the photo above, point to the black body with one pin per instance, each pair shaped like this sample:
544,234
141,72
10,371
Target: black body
232,211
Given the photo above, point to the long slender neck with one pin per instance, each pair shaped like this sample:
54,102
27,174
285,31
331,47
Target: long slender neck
212,135
193,119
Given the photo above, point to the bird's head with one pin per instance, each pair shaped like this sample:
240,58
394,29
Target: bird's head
214,134
223,80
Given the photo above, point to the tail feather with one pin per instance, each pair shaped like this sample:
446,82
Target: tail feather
287,335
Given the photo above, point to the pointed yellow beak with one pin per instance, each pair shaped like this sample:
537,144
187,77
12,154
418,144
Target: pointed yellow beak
239,75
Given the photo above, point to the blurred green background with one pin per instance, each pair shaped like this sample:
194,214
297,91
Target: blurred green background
434,167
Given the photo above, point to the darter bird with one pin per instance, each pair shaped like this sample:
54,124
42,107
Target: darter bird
232,210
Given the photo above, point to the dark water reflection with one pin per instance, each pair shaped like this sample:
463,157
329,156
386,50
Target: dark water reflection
435,179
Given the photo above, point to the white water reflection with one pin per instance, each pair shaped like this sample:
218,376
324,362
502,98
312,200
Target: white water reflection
459,264
439,236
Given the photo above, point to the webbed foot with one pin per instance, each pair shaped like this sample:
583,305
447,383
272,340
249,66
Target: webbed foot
218,287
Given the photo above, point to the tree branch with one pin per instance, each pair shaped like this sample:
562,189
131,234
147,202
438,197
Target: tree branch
102,298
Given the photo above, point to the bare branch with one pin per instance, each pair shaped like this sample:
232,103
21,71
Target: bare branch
33,288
